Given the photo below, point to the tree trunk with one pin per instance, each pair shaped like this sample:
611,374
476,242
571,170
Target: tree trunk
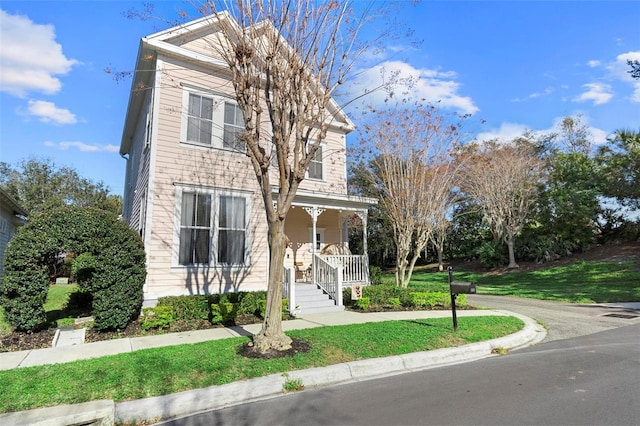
271,337
440,249
512,257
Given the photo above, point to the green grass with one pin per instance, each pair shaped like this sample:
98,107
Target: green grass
55,308
172,369
579,282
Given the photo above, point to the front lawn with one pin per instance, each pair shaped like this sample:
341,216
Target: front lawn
579,282
173,369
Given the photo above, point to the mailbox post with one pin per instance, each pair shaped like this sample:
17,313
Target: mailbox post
455,288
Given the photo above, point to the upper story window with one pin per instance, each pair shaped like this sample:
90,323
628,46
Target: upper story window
316,165
211,120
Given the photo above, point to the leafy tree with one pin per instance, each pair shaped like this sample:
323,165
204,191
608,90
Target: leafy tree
503,180
414,171
570,202
381,247
635,68
39,184
620,164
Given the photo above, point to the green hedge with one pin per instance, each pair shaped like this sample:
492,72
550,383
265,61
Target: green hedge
394,297
215,308
111,265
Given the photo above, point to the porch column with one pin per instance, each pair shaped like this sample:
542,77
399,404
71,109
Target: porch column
362,214
314,212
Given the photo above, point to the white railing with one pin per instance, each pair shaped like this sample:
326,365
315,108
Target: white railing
329,278
355,268
288,288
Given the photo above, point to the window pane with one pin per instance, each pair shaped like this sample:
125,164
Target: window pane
207,109
231,247
229,113
194,105
188,209
204,210
231,231
201,246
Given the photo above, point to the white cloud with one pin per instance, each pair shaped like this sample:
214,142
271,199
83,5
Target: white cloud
30,58
48,112
621,69
506,132
599,93
509,131
424,84
545,92
594,63
82,146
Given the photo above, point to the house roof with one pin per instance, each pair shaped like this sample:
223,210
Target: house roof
164,42
11,204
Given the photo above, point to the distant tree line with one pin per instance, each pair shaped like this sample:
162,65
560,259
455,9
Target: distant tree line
536,197
38,184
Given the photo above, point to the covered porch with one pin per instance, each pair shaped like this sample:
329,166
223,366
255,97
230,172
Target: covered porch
318,254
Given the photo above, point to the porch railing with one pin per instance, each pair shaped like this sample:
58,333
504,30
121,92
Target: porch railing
288,288
329,278
355,268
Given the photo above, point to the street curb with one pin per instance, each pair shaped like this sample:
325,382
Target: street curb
222,396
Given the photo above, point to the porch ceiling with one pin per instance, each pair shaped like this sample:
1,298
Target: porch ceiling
332,201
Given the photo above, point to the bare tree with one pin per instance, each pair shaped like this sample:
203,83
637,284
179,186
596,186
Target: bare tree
286,60
502,179
415,173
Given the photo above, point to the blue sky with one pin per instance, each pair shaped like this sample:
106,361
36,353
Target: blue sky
514,65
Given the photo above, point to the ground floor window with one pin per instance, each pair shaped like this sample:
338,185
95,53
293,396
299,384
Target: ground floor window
213,227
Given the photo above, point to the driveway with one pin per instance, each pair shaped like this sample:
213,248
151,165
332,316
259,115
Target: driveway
564,320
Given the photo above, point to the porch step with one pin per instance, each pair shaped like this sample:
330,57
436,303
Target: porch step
311,300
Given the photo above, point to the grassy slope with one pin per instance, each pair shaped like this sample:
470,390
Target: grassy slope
580,282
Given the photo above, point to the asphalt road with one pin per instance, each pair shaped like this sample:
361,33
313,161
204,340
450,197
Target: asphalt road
561,319
588,380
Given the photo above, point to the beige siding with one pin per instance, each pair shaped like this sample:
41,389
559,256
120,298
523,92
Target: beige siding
137,182
177,164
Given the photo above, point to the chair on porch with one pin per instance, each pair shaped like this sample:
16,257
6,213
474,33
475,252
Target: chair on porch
301,273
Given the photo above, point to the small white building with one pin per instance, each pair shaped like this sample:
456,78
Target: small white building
12,215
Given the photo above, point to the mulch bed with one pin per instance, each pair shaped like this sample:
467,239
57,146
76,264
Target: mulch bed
297,346
25,341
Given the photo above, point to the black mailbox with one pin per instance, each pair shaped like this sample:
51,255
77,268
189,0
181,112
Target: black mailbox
456,288
460,287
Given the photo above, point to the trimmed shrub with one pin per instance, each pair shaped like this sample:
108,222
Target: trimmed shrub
250,302
116,282
83,268
224,313
188,308
380,294
158,317
363,303
436,299
375,274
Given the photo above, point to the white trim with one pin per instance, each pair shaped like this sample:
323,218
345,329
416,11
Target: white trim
215,193
319,242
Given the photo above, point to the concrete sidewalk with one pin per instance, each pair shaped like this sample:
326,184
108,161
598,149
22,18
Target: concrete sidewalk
175,405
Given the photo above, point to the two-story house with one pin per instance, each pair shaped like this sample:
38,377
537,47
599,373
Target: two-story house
192,194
